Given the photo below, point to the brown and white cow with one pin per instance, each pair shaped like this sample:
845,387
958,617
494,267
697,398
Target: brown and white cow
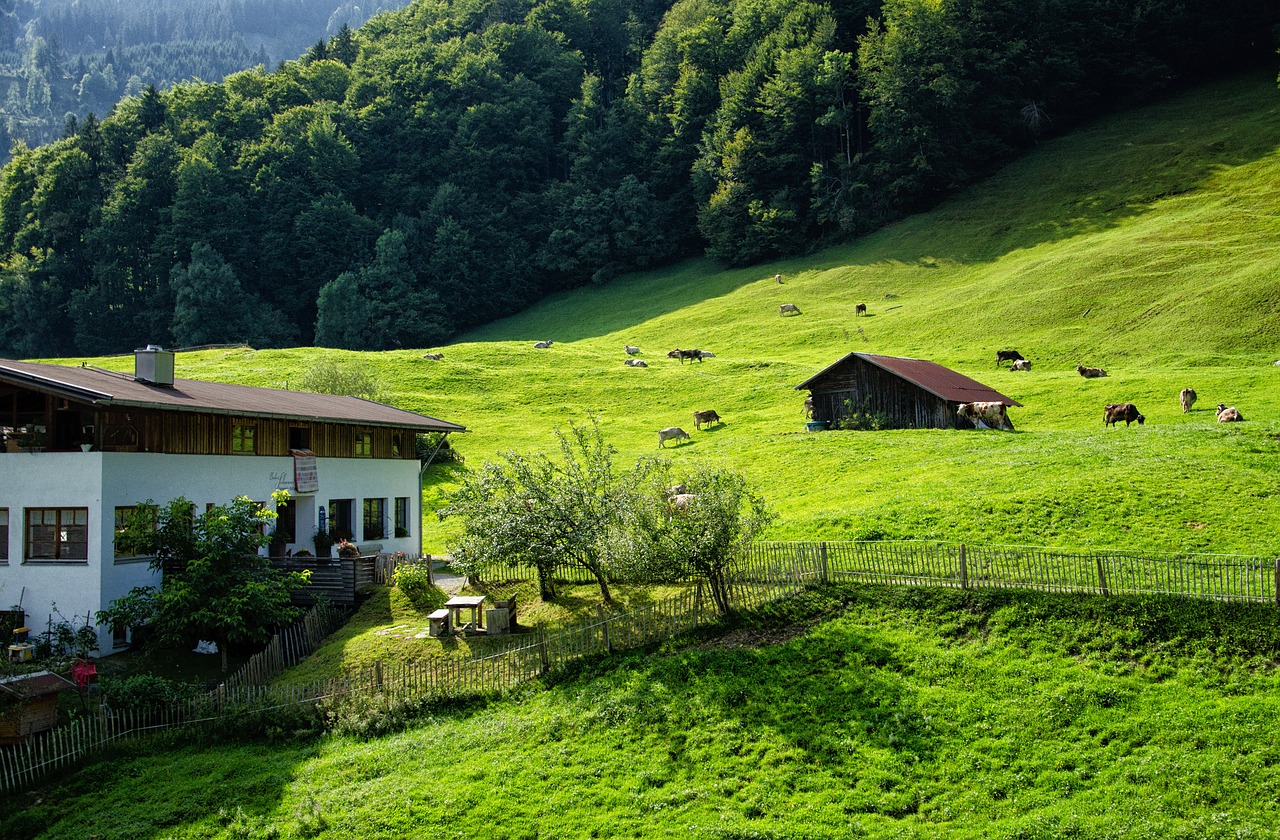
1228,414
986,415
1090,372
435,357
788,307
1021,364
1187,398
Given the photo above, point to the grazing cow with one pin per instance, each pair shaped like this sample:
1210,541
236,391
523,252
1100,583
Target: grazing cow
685,354
986,415
788,307
708,417
673,433
1021,364
435,357
777,278
1113,413
676,489
635,363
681,501
1187,398
631,349
860,309
542,345
1007,356
1090,373
808,407
1228,414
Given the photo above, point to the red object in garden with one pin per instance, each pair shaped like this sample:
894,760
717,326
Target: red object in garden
84,673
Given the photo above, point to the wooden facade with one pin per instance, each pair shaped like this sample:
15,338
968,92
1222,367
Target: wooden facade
899,393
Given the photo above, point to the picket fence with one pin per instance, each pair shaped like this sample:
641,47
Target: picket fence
768,571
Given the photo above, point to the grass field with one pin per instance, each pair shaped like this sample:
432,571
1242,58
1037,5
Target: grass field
1147,244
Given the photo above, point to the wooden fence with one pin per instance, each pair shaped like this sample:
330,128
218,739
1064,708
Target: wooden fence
768,571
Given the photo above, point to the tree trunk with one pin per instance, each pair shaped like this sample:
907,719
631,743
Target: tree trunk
719,592
604,584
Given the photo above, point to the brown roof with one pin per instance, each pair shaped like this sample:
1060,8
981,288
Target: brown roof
27,686
937,380
113,389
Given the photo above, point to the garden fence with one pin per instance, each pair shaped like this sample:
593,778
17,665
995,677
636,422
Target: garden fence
768,571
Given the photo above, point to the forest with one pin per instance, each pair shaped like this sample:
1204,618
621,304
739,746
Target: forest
453,161
61,60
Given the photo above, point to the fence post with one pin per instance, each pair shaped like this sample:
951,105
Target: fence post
604,628
822,555
542,651
964,567
1102,575
1277,562
377,673
697,604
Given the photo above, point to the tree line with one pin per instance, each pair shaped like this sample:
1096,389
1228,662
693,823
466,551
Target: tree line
61,60
451,163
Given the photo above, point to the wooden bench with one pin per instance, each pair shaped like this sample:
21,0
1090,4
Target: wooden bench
440,623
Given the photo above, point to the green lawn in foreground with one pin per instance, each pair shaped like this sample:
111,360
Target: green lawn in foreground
850,712
1147,244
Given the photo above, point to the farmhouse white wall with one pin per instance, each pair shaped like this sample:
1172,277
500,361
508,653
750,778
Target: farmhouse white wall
103,481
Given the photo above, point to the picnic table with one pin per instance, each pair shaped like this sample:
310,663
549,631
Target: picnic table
458,603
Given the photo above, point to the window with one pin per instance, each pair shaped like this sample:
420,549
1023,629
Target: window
364,444
375,517
120,638
57,534
242,438
341,524
299,437
4,535
123,548
402,516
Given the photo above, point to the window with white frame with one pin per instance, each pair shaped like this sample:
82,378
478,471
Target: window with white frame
57,534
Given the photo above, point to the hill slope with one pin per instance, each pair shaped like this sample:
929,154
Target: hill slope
1146,244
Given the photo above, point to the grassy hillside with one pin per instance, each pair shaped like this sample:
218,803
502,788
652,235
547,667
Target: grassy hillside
1147,244
851,712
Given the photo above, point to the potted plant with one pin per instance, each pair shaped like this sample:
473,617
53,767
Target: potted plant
324,543
347,549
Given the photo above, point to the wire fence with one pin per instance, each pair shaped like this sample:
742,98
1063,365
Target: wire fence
767,571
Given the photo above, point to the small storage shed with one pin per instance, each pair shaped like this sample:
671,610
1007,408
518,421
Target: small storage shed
29,704
908,393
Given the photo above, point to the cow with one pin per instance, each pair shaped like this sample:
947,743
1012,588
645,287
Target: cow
1007,356
986,415
1020,364
672,433
542,345
808,407
435,357
635,363
777,278
788,307
1090,373
1113,413
685,354
631,349
1228,414
680,501
708,417
705,354
676,489
860,309
1187,398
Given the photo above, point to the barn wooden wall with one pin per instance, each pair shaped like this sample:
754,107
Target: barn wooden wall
874,389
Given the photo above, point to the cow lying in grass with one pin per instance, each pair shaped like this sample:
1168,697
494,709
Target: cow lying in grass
1090,373
1228,414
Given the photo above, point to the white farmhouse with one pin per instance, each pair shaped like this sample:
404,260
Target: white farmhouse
84,445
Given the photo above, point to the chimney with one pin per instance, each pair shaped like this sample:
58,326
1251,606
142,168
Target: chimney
153,365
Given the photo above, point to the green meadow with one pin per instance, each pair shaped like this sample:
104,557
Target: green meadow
1147,244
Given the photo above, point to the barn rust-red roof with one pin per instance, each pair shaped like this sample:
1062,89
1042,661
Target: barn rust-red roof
937,380
111,388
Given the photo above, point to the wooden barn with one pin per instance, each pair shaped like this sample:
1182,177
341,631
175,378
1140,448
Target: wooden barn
29,704
902,393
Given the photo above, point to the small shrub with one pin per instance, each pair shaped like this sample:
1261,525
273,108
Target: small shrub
861,419
367,716
144,693
414,580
